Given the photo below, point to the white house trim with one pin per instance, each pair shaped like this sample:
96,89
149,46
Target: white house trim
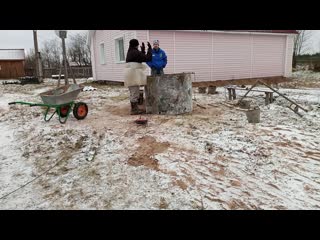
115,48
104,53
174,52
251,55
285,57
212,57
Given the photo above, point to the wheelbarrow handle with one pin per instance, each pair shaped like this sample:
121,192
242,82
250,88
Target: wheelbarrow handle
25,103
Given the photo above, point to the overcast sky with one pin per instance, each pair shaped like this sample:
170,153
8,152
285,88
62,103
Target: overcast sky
24,38
315,41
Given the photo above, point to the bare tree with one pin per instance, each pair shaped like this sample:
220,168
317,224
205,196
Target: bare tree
30,59
79,50
302,44
51,53
46,52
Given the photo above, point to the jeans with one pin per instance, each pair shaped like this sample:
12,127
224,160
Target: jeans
155,72
134,93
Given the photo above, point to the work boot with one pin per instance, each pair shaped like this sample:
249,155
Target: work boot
134,108
141,99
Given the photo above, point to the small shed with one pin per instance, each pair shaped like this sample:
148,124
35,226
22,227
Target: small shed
12,63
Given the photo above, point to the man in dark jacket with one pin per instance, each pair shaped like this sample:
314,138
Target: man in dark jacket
135,75
159,60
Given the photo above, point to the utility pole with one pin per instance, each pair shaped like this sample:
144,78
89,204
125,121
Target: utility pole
65,61
37,55
63,35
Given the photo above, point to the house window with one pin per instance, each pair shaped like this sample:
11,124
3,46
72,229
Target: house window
102,54
120,50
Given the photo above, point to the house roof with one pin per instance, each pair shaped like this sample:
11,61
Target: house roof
248,31
270,31
12,54
91,32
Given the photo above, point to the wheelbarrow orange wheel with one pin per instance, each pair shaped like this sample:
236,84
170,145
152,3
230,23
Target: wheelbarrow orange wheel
64,111
80,110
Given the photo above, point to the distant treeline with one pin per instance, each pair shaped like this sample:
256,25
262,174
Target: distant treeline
311,61
309,58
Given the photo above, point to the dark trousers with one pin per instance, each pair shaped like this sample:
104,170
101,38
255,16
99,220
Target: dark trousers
155,72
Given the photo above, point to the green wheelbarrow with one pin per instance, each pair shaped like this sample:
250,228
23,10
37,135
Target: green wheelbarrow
63,101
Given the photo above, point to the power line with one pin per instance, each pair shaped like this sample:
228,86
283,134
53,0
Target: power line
26,184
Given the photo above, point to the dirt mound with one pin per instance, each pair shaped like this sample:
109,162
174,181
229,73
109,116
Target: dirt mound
144,156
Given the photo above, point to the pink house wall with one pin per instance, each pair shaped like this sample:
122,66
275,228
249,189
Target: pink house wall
111,70
212,56
167,43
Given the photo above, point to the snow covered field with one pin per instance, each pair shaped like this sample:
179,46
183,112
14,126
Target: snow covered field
304,79
210,159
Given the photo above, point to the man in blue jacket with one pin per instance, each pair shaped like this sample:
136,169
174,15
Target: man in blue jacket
159,60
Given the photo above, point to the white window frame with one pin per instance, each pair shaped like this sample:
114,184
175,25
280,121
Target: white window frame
117,52
102,54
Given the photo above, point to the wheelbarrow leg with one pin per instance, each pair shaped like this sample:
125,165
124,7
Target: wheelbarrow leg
63,120
45,116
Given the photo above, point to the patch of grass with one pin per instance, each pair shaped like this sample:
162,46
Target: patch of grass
179,123
64,169
119,98
36,114
205,119
92,172
56,192
107,204
92,84
163,204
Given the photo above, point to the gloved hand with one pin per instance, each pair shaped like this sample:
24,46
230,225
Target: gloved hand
143,47
149,45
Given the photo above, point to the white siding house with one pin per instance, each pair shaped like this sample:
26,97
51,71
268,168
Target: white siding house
212,55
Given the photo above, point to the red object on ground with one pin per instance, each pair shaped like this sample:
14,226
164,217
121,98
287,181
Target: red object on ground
141,121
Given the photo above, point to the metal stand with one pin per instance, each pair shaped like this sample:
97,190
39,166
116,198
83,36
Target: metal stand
63,35
294,106
60,69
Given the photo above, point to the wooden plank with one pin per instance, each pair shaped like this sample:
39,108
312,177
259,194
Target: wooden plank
263,91
246,81
267,100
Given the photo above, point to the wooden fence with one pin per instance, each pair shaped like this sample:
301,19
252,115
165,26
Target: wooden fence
79,72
